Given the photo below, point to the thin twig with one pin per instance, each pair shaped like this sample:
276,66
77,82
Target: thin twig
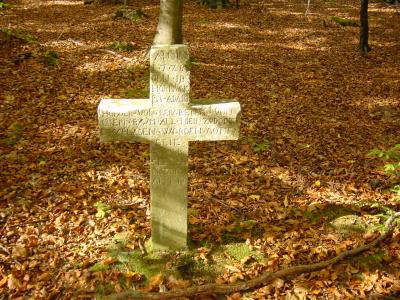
4,250
226,205
28,222
308,7
5,223
142,247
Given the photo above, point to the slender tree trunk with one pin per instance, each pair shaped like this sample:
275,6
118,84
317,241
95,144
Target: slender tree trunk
364,29
169,28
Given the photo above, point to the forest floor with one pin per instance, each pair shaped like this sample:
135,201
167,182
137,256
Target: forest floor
312,109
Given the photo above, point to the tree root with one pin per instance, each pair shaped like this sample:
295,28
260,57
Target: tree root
263,279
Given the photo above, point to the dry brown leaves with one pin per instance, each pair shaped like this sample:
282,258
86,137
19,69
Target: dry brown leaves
304,89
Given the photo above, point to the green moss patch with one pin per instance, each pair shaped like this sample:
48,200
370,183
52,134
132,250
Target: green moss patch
202,264
349,223
345,22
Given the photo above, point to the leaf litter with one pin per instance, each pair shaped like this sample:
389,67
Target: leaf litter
312,109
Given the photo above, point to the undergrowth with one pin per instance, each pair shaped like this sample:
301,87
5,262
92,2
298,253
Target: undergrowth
122,46
391,167
18,34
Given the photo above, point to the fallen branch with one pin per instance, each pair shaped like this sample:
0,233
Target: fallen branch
28,222
264,279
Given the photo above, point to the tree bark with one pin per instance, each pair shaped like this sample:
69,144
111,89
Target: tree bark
169,28
364,29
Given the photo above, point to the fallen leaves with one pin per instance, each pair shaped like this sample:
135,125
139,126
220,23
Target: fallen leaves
314,106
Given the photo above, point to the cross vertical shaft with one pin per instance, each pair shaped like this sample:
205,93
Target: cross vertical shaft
169,87
168,185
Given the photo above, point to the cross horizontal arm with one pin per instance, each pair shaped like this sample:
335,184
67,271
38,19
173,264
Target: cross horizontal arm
132,120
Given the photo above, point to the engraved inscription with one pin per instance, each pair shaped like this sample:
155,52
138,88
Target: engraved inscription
170,82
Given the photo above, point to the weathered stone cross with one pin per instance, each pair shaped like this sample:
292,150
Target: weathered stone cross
168,121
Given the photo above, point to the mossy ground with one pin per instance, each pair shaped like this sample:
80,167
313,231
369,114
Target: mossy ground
205,265
348,221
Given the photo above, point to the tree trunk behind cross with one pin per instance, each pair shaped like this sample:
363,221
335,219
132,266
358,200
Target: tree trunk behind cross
364,47
169,28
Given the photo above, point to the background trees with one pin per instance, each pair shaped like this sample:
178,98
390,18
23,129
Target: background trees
364,29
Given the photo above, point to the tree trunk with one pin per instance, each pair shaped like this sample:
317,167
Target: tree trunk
364,47
169,28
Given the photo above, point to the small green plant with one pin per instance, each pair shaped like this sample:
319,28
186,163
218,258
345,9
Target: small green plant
138,72
118,244
391,157
369,261
3,5
133,15
136,93
14,133
259,147
98,267
190,63
104,289
102,209
262,147
311,216
186,266
50,58
17,34
122,46
345,22
145,77
143,86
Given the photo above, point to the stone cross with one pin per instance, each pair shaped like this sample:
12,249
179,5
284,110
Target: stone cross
168,121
